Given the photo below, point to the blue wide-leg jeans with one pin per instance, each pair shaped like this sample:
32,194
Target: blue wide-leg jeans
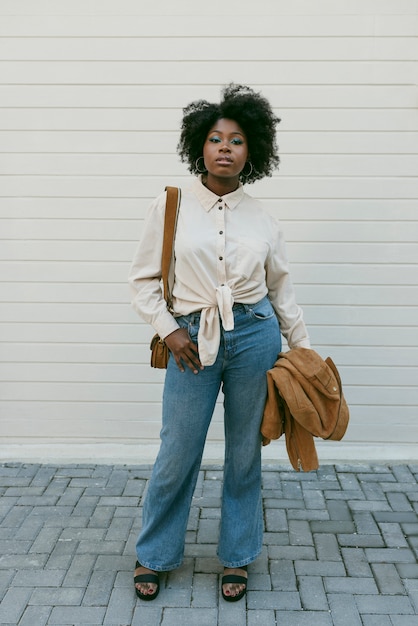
245,354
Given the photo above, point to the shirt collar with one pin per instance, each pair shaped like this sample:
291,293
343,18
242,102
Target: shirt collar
208,199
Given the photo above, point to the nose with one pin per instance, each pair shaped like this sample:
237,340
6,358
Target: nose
224,147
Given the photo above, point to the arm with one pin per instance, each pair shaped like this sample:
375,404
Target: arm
146,289
282,295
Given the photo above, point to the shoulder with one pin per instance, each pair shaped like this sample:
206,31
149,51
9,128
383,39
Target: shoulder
263,213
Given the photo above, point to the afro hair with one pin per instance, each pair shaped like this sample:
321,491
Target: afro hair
254,115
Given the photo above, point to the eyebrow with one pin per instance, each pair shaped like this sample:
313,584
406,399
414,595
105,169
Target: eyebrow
235,132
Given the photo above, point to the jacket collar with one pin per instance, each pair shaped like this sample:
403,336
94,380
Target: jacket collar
208,199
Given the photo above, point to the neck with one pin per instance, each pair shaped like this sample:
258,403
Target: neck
220,186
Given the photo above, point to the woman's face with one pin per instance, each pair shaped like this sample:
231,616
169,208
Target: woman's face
225,150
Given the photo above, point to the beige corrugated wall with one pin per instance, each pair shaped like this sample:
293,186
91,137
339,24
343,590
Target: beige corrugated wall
91,94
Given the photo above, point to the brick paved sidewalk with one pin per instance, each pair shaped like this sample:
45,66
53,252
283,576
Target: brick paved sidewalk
340,549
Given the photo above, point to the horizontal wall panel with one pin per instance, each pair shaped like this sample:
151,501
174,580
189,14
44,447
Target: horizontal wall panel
128,230
82,429
165,164
353,252
75,332
81,373
123,251
315,314
102,272
56,292
359,294
169,119
377,356
122,186
128,373
165,142
338,209
301,8
161,25
343,274
184,48
69,313
144,96
45,271
124,392
215,72
359,316
69,250
116,293
20,411
363,336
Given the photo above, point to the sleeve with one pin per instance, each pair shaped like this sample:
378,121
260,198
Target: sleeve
282,294
145,273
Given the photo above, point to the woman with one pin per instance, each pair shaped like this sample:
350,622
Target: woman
232,299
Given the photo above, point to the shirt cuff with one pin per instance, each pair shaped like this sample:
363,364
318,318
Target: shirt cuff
165,325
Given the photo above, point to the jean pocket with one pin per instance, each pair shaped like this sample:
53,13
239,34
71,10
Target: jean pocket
190,323
263,310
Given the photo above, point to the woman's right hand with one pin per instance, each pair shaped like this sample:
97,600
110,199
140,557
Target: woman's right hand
183,350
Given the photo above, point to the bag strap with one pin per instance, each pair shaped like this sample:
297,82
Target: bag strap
170,222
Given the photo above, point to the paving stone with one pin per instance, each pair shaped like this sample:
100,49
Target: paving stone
121,606
327,548
386,605
283,577
288,600
300,533
147,616
344,610
312,593
393,535
57,596
303,618
356,563
76,615
349,585
14,604
35,616
205,590
261,618
392,555
189,617
377,620
387,578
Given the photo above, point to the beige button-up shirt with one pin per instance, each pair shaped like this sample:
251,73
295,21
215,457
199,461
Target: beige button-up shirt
227,249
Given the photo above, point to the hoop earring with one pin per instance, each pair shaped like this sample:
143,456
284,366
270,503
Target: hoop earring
197,166
246,175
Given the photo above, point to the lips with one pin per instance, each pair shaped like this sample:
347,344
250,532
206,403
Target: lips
224,161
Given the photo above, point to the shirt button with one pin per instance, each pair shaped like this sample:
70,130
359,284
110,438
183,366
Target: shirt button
221,258
221,232
220,200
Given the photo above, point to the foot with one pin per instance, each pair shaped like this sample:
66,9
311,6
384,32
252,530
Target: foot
234,587
147,589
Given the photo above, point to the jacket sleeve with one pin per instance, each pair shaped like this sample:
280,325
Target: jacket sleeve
145,273
273,417
282,294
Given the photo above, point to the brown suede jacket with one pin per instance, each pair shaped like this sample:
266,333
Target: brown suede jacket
305,400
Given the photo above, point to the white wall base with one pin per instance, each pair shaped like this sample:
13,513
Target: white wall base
144,454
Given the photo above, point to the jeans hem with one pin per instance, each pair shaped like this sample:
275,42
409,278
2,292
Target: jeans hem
241,563
159,568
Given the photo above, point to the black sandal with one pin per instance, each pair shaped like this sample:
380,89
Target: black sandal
147,578
233,578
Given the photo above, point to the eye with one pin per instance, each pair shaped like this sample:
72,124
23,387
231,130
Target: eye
215,139
237,141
